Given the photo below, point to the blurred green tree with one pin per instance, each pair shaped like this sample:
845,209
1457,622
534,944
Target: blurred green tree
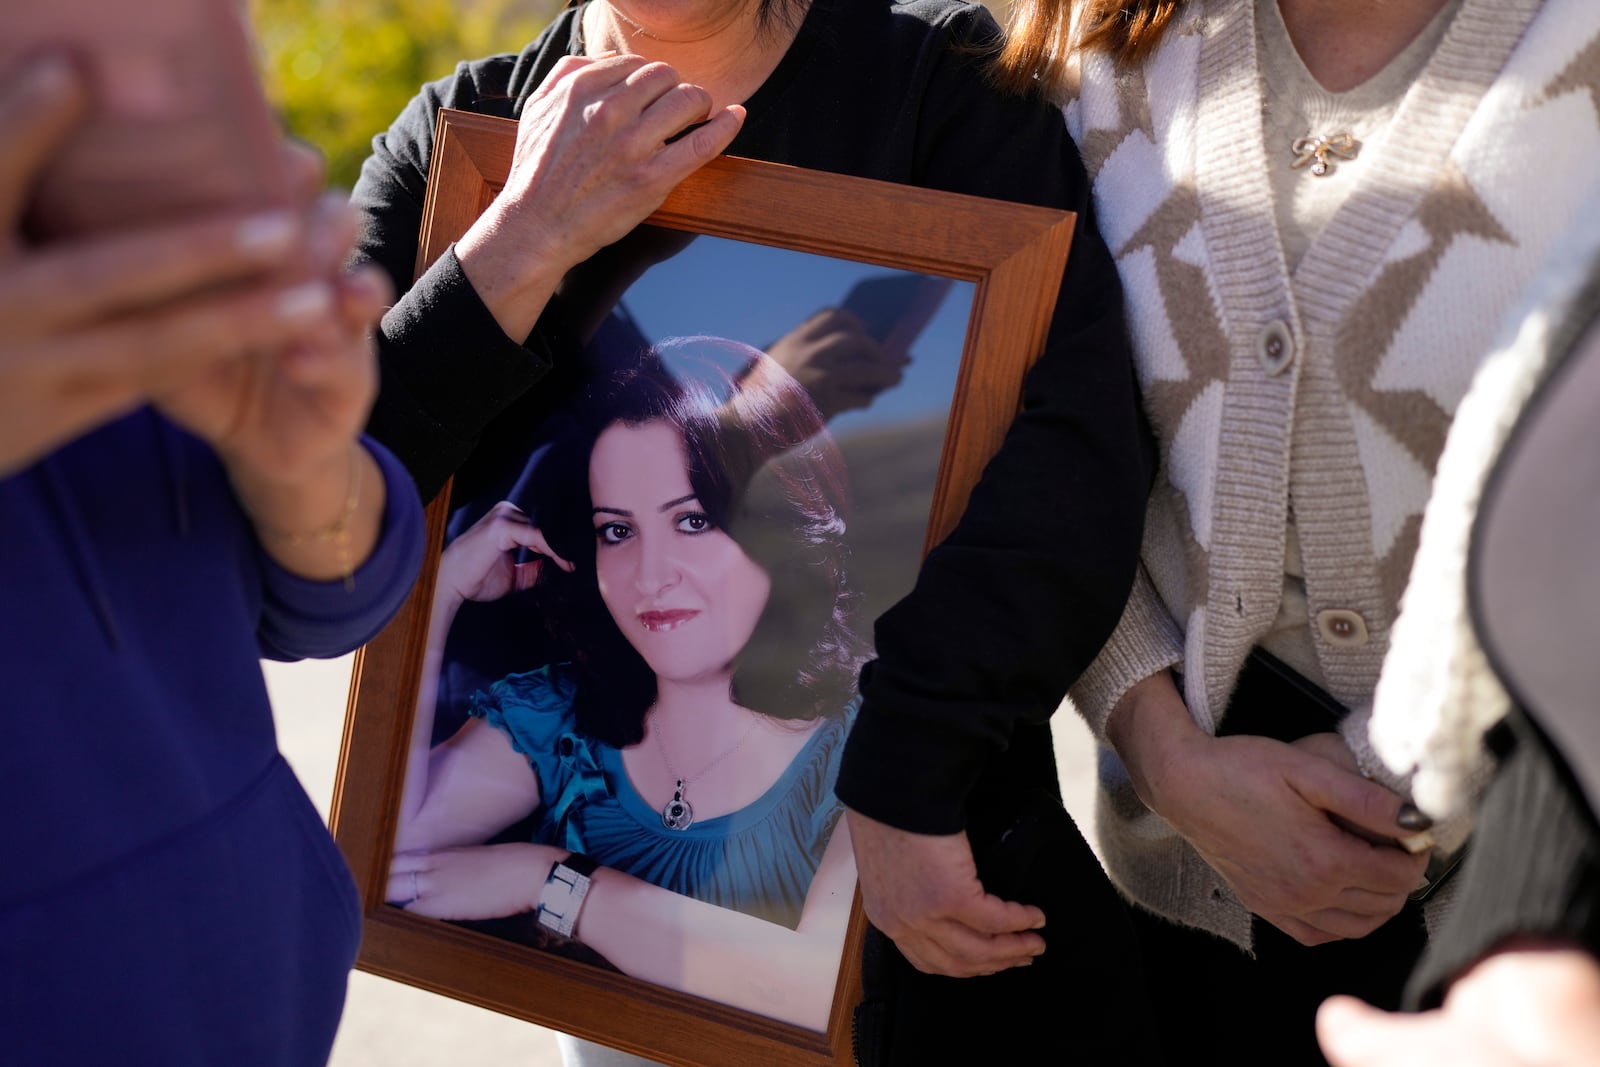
338,71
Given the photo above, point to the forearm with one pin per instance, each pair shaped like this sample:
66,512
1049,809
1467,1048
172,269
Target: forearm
723,955
411,831
470,786
307,619
463,791
321,523
1155,738
513,266
1145,643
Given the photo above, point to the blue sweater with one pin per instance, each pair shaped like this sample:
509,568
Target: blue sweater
168,894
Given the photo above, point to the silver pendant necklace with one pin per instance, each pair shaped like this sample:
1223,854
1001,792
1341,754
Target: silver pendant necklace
676,814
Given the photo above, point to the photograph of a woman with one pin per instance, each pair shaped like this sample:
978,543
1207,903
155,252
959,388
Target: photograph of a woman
657,782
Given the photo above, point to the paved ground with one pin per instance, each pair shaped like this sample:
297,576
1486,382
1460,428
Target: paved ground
388,1024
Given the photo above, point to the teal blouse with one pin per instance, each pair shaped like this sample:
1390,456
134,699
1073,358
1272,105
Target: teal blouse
759,860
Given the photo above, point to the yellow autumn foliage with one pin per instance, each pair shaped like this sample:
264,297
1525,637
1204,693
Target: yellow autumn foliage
338,71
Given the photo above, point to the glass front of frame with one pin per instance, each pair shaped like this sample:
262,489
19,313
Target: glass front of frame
653,599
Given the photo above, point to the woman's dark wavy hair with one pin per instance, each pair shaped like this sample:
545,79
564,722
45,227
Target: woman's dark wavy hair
769,475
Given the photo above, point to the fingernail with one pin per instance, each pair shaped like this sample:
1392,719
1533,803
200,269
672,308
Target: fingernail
334,207
304,302
1411,817
265,234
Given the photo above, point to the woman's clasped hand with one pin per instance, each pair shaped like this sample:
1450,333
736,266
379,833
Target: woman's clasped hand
1318,857
239,328
186,491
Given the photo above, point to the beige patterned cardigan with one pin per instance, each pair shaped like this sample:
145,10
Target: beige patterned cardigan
1333,387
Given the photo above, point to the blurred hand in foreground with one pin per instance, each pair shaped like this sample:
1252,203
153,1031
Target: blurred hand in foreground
1523,1006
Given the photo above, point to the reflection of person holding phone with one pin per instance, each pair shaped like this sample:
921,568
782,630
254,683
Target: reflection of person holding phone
183,490
838,361
688,747
845,356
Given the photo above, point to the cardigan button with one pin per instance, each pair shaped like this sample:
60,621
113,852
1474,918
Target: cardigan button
1343,629
1275,347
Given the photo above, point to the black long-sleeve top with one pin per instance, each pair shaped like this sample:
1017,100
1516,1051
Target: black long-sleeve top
1017,601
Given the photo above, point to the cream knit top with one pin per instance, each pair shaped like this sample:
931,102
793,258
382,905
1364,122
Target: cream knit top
1334,384
1297,107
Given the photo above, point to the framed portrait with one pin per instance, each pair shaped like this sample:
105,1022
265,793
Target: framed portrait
587,770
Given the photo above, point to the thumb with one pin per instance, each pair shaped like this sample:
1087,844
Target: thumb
1359,801
41,102
1354,1034
990,914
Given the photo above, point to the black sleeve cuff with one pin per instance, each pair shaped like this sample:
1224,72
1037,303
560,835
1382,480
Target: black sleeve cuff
447,371
902,773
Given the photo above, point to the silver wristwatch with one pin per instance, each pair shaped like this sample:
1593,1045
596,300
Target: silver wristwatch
561,899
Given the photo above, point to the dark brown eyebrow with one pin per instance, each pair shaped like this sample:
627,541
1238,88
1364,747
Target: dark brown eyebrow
668,506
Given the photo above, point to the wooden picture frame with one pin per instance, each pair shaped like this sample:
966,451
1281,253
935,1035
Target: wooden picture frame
1011,255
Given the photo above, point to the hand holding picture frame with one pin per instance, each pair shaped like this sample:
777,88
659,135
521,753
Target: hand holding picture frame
772,253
